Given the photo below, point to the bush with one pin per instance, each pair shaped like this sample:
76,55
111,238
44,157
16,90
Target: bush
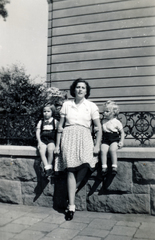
22,102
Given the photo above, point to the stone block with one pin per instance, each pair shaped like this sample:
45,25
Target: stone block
6,168
96,203
24,169
19,168
125,203
141,189
121,182
28,188
144,172
152,194
37,190
43,201
94,185
80,199
10,191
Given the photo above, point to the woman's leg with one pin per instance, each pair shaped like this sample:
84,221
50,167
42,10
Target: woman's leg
71,185
72,182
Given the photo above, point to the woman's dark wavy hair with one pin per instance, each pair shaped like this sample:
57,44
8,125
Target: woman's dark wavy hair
74,84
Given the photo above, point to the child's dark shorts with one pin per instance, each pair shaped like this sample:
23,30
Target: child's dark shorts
108,137
48,137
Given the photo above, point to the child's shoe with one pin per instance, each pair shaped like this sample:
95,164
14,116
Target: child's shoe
114,170
49,173
104,172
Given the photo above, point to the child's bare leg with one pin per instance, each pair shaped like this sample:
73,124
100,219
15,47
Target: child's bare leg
104,152
113,153
42,151
50,150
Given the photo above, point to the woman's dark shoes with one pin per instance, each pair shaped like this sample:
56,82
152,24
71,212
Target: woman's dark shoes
69,215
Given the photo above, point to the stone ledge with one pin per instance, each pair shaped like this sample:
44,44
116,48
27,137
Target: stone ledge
137,152
13,150
126,152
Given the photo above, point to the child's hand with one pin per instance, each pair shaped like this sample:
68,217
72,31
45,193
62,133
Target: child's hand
39,144
120,144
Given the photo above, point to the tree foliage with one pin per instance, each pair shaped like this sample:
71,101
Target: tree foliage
23,101
3,10
17,93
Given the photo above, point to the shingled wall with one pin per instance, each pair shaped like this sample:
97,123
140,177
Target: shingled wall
109,43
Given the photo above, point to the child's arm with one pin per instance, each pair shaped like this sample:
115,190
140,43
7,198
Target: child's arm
56,124
38,130
121,142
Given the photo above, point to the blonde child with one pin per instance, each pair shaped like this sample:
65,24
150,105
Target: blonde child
46,137
113,136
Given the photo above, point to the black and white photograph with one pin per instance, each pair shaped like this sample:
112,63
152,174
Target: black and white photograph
77,119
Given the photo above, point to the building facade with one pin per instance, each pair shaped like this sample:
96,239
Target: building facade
109,43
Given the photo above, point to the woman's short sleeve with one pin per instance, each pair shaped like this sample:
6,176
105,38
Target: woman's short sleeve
94,111
63,109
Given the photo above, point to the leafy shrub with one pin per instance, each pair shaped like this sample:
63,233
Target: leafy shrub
22,102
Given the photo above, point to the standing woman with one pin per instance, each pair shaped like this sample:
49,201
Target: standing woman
77,147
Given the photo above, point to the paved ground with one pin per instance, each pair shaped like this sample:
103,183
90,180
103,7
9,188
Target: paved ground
39,223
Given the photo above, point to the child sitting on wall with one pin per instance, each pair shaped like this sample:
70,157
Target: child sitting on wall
46,137
113,136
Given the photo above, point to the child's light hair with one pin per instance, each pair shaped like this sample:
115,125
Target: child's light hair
112,105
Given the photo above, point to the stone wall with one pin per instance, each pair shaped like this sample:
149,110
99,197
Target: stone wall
132,190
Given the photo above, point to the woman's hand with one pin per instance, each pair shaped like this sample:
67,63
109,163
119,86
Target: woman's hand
56,150
96,150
